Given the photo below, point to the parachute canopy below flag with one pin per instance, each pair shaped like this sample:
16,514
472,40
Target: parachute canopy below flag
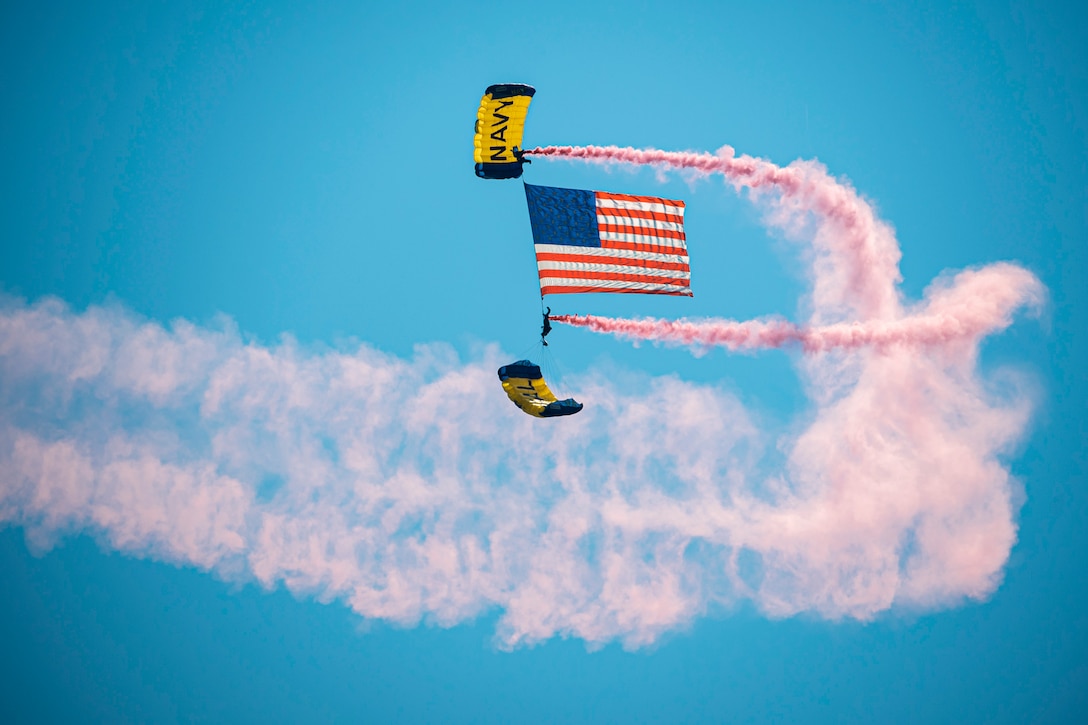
500,123
594,241
525,386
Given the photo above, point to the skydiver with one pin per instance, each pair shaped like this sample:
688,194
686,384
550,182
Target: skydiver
519,155
546,327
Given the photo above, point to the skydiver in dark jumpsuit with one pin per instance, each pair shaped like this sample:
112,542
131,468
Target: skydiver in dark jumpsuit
546,327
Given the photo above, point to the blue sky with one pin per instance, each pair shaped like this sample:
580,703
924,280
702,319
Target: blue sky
272,171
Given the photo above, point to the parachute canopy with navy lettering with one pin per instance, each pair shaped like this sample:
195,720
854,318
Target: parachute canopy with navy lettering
525,387
500,123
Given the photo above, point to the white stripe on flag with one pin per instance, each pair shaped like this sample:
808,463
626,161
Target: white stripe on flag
613,269
639,223
640,206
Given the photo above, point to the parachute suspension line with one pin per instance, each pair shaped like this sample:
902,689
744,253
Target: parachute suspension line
529,350
550,364
547,364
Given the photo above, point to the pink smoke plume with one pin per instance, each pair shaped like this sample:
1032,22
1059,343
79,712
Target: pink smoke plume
977,303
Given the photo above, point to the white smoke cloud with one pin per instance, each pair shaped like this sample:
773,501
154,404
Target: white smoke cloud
411,489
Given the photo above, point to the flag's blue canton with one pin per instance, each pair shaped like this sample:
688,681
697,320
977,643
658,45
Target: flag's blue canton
563,216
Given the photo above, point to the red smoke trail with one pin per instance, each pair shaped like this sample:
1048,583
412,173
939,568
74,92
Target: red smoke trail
856,269
974,304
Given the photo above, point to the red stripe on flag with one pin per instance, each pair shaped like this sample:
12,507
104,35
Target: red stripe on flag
617,261
652,248
612,277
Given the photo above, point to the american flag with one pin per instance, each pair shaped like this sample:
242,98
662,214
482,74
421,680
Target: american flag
593,241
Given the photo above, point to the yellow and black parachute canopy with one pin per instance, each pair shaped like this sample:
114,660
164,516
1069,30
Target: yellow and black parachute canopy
500,123
526,388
